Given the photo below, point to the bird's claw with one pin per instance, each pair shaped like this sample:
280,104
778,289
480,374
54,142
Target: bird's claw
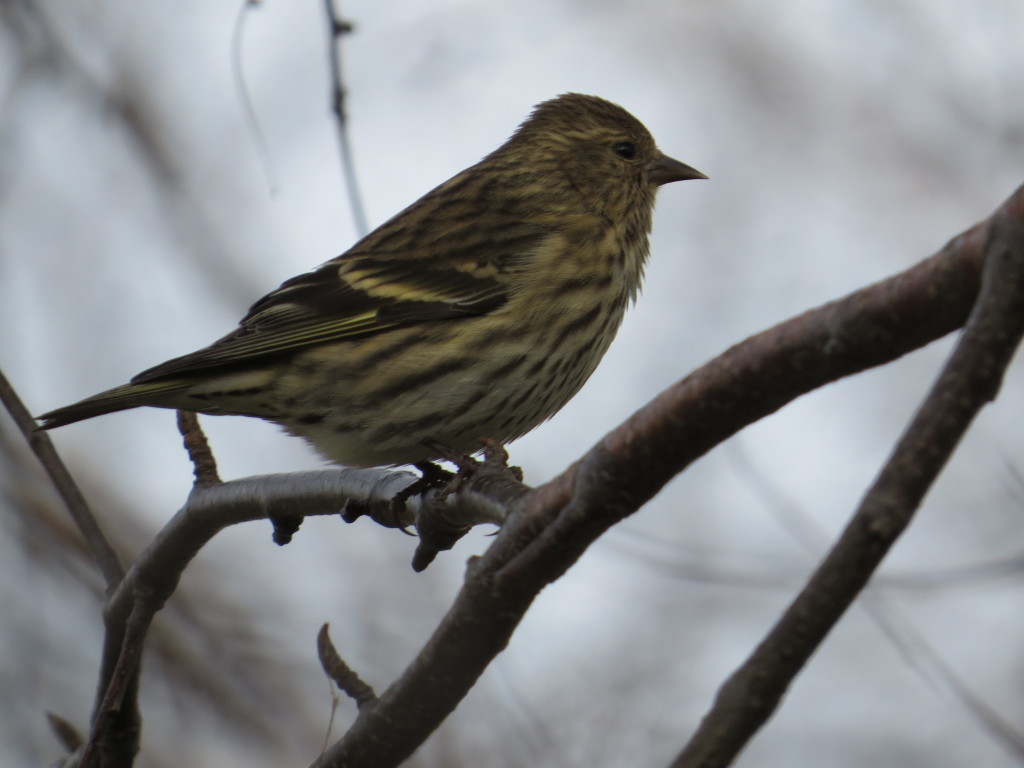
436,529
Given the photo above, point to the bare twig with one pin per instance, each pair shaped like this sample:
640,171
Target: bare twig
970,379
198,448
336,29
65,732
340,672
103,554
246,98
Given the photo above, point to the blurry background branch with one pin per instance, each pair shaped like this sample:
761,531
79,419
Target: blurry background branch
103,555
119,96
337,29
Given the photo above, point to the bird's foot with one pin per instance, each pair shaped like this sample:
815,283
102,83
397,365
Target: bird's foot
395,514
431,477
437,530
495,459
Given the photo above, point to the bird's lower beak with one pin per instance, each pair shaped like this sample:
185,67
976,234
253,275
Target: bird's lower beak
664,170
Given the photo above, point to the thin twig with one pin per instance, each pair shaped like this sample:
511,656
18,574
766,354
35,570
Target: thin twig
66,733
340,672
336,29
198,448
243,92
104,555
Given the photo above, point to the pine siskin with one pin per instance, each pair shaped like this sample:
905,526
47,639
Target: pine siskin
478,311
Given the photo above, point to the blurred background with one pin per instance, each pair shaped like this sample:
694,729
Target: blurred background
845,141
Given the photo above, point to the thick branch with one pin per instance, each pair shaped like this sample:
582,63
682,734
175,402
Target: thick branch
548,529
970,379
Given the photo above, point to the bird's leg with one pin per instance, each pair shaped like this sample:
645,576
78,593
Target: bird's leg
463,461
431,476
496,459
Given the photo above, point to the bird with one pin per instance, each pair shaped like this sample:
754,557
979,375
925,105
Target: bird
477,312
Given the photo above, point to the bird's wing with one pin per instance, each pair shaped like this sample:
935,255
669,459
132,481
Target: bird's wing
360,294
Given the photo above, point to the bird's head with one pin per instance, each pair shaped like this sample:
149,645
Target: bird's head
600,150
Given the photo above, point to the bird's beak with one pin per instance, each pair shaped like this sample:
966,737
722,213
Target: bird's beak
664,170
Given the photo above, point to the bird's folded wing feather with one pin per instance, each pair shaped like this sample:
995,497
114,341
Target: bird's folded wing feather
357,295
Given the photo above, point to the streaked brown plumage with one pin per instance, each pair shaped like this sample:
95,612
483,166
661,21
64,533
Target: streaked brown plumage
478,311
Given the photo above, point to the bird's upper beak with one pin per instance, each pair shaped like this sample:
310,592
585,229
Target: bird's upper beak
664,170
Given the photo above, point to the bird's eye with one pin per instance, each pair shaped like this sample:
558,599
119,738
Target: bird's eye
626,149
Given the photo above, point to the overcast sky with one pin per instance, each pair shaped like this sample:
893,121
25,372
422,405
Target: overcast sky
844,140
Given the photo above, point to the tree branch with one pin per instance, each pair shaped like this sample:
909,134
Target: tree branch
154,575
198,448
970,379
102,552
340,672
337,29
549,528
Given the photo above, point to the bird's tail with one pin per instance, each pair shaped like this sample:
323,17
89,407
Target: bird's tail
161,394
